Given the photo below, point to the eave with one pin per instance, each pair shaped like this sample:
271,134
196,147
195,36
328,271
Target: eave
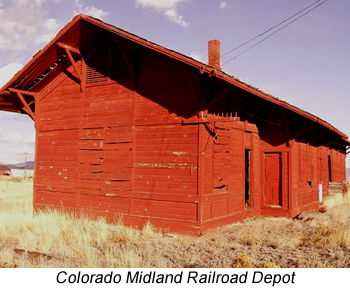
32,68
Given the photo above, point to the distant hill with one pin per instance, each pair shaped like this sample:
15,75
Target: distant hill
30,165
347,172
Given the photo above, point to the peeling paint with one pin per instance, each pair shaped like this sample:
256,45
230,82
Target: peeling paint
157,165
111,195
178,153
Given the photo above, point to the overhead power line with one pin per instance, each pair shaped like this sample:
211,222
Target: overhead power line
273,33
273,27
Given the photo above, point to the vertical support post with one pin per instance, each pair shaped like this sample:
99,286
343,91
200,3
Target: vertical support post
82,100
35,169
200,175
131,208
83,75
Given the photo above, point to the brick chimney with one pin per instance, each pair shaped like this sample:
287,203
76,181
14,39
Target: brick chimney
214,53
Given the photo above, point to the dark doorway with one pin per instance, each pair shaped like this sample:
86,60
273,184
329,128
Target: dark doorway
247,181
273,179
330,168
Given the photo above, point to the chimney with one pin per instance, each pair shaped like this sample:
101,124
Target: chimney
214,53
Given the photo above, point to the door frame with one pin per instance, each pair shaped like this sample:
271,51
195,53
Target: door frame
285,182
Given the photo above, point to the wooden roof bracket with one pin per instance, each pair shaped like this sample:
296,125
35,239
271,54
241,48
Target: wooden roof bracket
258,110
319,135
220,96
201,113
69,50
124,56
286,125
26,107
304,130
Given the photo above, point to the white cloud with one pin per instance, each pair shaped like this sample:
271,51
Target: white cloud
8,71
172,16
21,21
90,10
10,116
51,24
197,56
25,24
51,27
166,7
223,4
17,138
94,12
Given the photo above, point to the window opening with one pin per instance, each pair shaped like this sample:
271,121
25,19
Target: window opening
247,181
330,168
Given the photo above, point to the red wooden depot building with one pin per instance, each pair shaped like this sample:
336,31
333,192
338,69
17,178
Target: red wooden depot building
127,128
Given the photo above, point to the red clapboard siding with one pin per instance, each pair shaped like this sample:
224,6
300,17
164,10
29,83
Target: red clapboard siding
224,171
235,204
61,109
56,187
57,158
219,208
104,204
94,133
166,210
105,150
206,211
64,200
159,156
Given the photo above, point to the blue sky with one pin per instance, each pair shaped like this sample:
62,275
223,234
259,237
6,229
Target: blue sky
306,64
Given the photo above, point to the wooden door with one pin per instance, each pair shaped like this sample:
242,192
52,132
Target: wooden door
273,179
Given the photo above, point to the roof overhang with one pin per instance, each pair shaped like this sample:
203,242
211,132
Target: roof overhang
34,68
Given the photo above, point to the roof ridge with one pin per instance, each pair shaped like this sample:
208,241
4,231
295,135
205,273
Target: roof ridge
203,67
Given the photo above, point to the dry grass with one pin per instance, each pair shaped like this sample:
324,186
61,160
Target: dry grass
64,241
244,261
337,200
272,233
53,239
338,207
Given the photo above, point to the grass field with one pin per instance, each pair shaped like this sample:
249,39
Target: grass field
52,239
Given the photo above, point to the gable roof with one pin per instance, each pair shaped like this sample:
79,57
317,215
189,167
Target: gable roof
47,58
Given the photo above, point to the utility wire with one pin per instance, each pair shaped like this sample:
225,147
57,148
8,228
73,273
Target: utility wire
265,38
263,33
